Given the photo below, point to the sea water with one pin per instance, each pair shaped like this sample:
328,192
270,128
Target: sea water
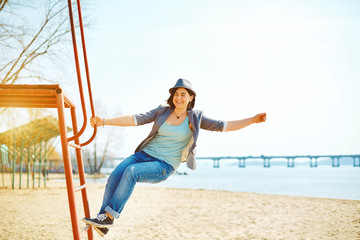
323,181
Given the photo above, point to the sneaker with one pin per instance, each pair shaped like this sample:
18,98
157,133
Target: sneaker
102,231
102,220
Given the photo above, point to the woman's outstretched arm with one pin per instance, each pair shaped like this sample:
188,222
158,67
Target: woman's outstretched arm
239,124
122,121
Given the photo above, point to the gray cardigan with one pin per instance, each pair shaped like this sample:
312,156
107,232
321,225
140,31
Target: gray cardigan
197,119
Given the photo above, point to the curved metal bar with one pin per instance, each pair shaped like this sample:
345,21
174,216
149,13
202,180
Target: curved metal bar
87,77
90,140
77,135
85,59
87,72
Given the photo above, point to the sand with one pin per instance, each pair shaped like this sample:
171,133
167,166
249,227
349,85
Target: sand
159,213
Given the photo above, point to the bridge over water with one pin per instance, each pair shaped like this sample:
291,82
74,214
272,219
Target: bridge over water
313,159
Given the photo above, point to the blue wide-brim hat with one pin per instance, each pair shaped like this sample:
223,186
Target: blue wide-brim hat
182,83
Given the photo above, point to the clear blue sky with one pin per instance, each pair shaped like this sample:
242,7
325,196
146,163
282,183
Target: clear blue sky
298,61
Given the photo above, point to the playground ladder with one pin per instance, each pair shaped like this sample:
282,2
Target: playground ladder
52,96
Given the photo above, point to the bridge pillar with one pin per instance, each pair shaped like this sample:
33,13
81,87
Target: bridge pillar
290,162
335,162
266,162
313,164
356,161
241,162
216,162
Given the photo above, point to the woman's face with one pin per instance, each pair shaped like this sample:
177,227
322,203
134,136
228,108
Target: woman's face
181,98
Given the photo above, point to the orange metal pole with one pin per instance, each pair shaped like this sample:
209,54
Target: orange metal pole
77,64
85,58
67,164
77,135
80,163
68,101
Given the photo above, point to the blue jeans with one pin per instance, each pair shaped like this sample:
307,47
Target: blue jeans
139,167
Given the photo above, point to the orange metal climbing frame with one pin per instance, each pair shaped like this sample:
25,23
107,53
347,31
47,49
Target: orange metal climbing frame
52,96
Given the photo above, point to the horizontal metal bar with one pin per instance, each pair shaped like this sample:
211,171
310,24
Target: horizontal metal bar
26,91
28,101
74,145
84,231
80,188
27,97
27,105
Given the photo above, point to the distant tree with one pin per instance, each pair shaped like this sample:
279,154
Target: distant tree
32,37
29,31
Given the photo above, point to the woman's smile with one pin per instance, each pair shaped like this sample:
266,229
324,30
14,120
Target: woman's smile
181,98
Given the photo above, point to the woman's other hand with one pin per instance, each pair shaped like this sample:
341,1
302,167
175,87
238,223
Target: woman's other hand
259,118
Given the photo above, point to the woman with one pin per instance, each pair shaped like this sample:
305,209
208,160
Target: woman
171,141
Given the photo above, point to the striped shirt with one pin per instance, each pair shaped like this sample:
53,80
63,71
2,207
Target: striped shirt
169,142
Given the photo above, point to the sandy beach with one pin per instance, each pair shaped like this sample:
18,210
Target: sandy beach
159,213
